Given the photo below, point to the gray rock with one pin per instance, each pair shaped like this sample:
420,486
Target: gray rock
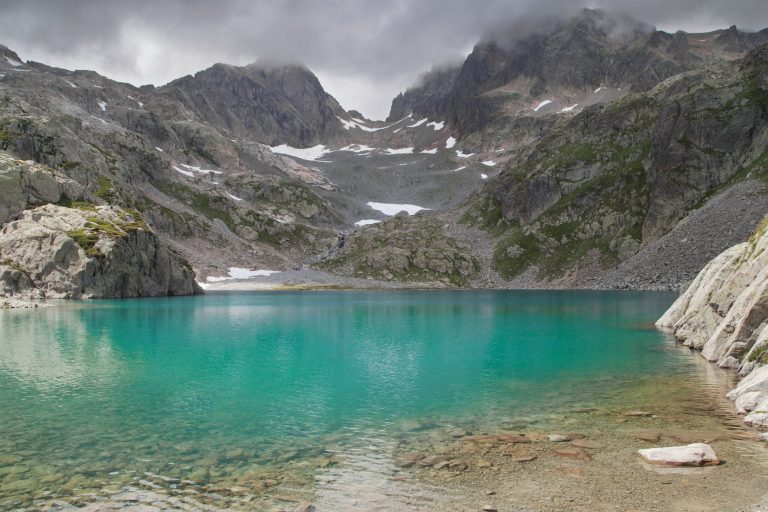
58,252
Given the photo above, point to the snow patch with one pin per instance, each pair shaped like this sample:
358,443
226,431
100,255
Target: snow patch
599,89
185,173
100,119
399,151
366,222
437,126
418,123
313,153
355,123
483,176
461,154
489,163
13,62
460,168
569,109
242,273
450,142
234,197
429,151
196,168
159,149
71,84
542,104
394,209
103,106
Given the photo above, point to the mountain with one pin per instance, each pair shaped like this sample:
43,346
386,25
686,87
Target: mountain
509,73
271,104
592,151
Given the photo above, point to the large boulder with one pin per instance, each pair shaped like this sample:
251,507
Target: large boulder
697,454
88,252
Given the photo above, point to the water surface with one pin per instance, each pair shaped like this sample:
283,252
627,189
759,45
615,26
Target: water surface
237,382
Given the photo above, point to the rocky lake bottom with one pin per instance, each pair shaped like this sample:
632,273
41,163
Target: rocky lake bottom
401,400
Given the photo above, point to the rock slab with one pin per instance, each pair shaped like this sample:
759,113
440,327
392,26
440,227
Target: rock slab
697,454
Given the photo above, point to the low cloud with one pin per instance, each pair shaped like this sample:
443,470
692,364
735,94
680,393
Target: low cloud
366,51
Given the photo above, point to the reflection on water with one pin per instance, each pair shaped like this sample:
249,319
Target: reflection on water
238,388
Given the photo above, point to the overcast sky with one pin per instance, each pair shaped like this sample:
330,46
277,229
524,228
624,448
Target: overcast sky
363,51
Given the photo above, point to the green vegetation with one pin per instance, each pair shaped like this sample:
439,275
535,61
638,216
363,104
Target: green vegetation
87,240
104,190
760,355
97,226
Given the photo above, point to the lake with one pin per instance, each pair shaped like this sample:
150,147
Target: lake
234,397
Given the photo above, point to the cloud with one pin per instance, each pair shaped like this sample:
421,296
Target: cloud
366,51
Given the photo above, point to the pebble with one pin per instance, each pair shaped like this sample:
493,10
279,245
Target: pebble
489,508
459,433
558,438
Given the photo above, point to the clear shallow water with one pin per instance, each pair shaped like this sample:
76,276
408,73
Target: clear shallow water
258,381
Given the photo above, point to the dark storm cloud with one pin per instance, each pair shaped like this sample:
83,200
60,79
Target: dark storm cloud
364,51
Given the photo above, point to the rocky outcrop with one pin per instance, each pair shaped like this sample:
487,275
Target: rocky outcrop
55,252
724,313
404,249
24,184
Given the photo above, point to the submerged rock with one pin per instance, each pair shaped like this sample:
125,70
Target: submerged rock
697,454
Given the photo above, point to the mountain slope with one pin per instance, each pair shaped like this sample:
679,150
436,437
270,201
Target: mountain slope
617,177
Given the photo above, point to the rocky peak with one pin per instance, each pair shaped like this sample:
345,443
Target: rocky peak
9,58
266,103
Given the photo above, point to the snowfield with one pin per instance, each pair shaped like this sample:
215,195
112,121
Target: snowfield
394,209
437,126
242,273
542,105
313,153
450,143
399,151
569,109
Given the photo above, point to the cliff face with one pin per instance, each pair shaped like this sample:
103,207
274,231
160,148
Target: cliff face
724,313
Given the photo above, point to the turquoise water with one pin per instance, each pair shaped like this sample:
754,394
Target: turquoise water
105,388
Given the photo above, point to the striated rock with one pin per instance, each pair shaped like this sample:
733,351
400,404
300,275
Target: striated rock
724,312
697,454
90,252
